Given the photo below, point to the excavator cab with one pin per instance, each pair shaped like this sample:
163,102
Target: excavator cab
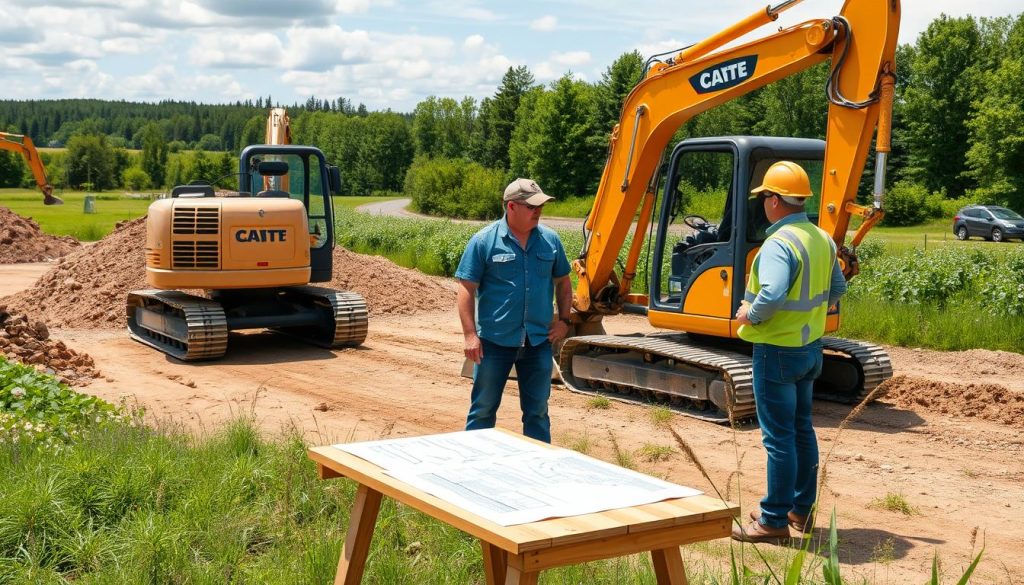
709,230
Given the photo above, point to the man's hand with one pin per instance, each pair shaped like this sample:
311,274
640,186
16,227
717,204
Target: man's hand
741,313
473,350
557,331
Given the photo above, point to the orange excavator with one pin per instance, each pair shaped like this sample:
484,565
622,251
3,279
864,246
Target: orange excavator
24,146
698,272
254,252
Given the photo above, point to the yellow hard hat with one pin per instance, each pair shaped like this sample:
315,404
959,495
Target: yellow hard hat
785,178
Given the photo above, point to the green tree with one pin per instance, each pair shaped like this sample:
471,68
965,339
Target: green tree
793,106
616,82
203,167
210,142
996,154
154,153
136,179
91,160
497,118
554,149
442,126
943,80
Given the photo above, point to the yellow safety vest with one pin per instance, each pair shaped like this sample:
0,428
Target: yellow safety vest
801,319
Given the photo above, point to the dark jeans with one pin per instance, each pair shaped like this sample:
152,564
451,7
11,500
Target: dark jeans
783,385
533,369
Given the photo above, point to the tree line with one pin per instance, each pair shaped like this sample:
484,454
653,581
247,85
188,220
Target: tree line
958,129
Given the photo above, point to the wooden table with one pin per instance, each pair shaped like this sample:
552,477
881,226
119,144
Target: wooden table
515,555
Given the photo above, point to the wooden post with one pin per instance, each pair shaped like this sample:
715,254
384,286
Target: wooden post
360,534
668,566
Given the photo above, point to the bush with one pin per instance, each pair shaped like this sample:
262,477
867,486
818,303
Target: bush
910,204
136,179
454,188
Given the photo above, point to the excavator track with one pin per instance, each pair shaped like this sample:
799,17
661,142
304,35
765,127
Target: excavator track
707,381
183,326
350,316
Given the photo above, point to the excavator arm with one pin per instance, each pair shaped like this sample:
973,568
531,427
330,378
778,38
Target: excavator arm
861,43
24,146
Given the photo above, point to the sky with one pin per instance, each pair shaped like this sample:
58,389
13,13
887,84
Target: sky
382,53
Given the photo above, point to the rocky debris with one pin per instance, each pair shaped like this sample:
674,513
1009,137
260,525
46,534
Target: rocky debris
21,240
87,289
986,401
28,341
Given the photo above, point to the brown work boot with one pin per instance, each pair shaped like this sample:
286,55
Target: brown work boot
796,521
757,532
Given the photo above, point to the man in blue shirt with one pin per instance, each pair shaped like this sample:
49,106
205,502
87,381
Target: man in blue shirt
507,276
794,278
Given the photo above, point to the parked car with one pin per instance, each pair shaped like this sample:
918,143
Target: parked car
991,222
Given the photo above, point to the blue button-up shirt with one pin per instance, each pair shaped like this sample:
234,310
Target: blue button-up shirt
515,287
777,266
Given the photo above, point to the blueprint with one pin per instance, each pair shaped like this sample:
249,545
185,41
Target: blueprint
510,481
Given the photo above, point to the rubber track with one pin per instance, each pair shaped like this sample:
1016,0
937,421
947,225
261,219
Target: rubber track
351,318
207,328
734,367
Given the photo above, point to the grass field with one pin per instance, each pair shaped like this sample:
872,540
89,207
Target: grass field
111,207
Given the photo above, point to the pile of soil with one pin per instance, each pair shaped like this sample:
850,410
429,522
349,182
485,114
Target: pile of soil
87,289
28,341
388,288
21,240
986,401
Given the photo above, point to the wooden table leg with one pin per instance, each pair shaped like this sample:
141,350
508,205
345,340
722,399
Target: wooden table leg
360,534
668,566
495,563
516,576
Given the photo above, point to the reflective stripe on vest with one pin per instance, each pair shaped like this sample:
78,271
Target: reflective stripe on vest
801,318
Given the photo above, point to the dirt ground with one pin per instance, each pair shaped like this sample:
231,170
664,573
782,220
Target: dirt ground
962,475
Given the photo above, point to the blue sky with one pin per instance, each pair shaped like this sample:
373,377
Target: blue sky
383,53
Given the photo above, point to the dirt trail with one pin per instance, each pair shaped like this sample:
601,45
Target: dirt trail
957,472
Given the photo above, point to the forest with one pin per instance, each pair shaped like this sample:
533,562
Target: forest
958,131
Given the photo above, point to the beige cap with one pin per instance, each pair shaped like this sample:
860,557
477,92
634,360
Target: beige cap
526,191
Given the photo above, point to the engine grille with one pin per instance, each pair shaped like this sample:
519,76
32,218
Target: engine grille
196,220
201,254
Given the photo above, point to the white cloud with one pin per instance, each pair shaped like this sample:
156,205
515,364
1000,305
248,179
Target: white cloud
571,59
545,23
473,43
242,50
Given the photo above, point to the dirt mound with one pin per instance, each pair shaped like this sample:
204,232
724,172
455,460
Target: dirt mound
388,288
28,341
987,401
87,289
21,240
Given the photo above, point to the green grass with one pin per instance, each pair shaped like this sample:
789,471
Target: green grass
651,452
893,502
599,402
70,219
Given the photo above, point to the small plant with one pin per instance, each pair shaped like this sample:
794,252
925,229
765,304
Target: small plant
894,503
969,473
622,457
580,444
884,552
661,415
652,453
599,402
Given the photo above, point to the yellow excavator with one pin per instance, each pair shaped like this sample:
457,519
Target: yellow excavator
24,146
698,272
254,252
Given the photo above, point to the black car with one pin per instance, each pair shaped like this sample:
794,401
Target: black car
988,221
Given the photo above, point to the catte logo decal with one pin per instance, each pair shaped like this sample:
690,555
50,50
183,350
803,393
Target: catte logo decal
250,235
724,75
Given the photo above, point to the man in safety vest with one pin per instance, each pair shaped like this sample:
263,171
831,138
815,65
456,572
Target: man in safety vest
795,277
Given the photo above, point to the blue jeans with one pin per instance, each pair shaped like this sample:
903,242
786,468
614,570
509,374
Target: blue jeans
533,369
783,386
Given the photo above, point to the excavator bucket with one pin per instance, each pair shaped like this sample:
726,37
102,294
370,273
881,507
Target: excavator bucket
50,199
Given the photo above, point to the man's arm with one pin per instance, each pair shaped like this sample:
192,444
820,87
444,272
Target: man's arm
775,273
563,297
838,286
465,297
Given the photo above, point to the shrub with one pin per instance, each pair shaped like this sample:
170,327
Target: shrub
136,179
910,204
454,188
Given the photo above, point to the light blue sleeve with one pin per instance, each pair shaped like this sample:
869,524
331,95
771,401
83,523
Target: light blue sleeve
838,285
776,266
471,265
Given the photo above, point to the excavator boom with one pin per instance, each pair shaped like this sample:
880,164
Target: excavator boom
697,282
24,146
